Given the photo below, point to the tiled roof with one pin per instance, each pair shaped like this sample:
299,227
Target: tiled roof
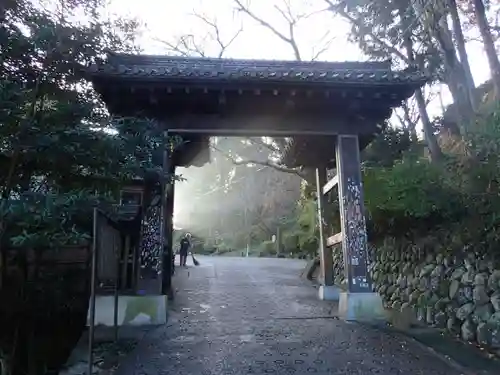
172,68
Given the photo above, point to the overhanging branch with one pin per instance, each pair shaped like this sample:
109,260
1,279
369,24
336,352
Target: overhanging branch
266,163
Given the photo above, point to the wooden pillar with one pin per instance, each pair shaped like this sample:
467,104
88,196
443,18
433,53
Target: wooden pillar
124,261
167,216
325,254
352,214
278,241
170,230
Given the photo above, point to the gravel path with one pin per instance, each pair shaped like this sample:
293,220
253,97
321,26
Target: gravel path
235,316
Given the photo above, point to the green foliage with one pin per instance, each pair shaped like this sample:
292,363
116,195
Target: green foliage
410,195
407,196
55,133
58,159
378,29
483,144
223,247
387,148
389,183
51,121
40,221
305,232
267,248
290,242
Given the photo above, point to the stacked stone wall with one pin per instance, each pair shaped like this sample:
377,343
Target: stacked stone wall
459,293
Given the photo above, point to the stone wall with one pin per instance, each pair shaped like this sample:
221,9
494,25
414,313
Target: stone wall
460,293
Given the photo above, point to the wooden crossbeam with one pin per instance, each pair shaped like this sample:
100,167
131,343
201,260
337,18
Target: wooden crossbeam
334,240
330,184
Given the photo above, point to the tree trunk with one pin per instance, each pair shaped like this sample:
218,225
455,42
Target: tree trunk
430,137
462,110
462,52
436,23
456,77
409,123
489,45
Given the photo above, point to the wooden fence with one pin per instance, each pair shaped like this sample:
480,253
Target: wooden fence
43,308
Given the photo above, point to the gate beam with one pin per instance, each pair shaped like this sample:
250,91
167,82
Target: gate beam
330,184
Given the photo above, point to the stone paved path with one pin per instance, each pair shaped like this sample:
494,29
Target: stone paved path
236,316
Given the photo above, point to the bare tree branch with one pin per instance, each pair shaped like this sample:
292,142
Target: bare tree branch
265,163
326,42
408,120
217,34
401,120
187,45
286,14
273,148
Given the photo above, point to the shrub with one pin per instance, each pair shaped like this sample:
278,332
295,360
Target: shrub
267,248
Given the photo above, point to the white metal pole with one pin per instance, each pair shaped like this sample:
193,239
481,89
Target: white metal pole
93,276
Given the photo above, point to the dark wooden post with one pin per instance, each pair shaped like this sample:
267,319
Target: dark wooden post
352,214
278,241
325,254
167,216
170,230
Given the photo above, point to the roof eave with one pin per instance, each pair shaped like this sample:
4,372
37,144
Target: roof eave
98,77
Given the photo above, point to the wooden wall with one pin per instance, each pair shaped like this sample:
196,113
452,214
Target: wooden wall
109,247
